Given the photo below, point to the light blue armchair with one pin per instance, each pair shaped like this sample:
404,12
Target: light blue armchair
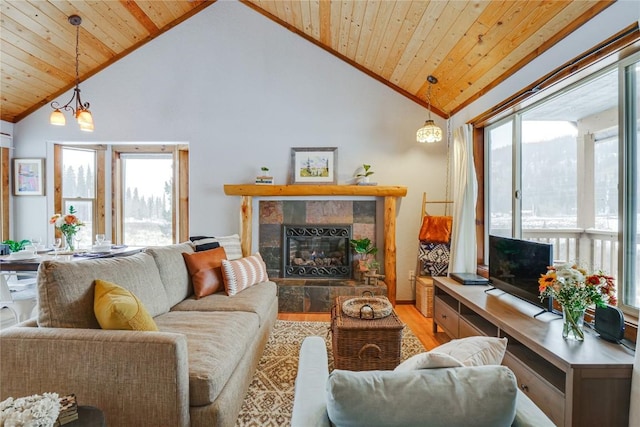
478,396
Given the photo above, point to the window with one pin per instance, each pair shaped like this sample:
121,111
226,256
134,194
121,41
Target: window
630,115
156,178
146,198
555,173
500,143
79,190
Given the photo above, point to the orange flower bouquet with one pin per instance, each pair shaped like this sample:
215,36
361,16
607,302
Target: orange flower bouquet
575,290
68,225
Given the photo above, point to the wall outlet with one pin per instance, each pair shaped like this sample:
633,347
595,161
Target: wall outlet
412,275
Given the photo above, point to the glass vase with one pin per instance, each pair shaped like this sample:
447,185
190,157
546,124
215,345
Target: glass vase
68,238
572,328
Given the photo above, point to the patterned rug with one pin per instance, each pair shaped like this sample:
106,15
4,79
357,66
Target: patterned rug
269,400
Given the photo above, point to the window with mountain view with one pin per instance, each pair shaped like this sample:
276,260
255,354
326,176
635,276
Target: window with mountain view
559,177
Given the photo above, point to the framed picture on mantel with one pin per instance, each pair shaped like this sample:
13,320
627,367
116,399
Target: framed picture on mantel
314,165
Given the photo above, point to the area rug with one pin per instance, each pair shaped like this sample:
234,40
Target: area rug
269,400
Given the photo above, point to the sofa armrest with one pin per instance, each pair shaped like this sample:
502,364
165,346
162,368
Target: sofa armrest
135,378
310,400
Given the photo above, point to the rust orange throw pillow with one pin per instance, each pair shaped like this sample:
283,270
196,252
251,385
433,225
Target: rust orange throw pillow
436,229
205,268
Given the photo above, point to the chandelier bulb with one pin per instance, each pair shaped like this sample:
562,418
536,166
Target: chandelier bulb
57,118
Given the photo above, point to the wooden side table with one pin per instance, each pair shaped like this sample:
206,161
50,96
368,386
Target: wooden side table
365,344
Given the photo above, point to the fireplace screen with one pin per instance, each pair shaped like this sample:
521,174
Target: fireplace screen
316,251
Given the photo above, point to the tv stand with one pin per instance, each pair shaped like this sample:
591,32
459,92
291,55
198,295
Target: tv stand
574,383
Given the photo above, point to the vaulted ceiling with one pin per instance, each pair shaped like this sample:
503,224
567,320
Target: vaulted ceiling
469,46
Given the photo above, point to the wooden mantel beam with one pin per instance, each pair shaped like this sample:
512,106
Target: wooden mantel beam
390,194
314,190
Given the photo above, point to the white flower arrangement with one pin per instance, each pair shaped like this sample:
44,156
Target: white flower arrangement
31,411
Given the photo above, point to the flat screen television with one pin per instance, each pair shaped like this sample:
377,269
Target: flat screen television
516,265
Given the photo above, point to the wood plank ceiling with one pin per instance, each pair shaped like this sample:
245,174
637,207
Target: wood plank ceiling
470,46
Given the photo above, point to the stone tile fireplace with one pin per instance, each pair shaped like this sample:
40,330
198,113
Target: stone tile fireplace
305,244
272,214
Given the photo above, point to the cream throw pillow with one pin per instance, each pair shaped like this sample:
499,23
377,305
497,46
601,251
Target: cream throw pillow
429,360
475,351
117,308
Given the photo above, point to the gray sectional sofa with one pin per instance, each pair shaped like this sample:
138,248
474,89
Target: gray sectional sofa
194,371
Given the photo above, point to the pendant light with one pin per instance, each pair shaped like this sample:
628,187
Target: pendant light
81,110
430,132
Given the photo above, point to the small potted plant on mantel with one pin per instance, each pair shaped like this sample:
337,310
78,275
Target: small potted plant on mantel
264,178
363,175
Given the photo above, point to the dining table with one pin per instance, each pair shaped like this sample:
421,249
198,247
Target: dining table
32,264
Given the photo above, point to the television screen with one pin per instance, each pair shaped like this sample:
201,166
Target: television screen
516,265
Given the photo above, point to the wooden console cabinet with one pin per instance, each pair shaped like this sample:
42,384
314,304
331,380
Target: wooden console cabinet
575,383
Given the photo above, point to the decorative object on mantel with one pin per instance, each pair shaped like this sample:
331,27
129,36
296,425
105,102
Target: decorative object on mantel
68,225
81,111
430,132
575,290
363,176
314,165
264,178
33,411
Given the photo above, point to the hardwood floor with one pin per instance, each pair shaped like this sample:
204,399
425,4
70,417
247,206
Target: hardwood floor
421,326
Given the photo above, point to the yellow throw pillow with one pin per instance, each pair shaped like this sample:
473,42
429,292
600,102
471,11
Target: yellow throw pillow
117,308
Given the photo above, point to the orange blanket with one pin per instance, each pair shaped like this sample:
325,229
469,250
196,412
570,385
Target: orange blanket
436,229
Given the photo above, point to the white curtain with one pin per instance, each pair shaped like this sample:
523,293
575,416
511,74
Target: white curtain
634,407
465,193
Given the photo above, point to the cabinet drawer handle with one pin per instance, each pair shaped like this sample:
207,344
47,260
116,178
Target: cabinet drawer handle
524,388
444,316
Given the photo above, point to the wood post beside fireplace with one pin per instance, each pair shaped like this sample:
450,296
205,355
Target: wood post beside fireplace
389,193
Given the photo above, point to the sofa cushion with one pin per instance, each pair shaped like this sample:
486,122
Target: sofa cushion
231,245
216,342
243,273
475,351
66,289
205,268
257,299
173,271
118,308
482,396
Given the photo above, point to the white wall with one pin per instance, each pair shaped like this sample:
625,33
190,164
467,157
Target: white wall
242,90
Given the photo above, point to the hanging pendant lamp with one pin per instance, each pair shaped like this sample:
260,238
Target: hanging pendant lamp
430,132
81,110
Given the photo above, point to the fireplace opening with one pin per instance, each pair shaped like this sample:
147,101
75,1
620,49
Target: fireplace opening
316,251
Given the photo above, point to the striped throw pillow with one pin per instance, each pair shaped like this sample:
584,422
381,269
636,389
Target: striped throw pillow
243,273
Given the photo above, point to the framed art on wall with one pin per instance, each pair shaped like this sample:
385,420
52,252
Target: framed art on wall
28,177
314,165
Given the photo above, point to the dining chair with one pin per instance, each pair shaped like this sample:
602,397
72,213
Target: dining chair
18,294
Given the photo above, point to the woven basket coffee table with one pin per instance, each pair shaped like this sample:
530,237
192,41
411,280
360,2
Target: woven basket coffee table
365,344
